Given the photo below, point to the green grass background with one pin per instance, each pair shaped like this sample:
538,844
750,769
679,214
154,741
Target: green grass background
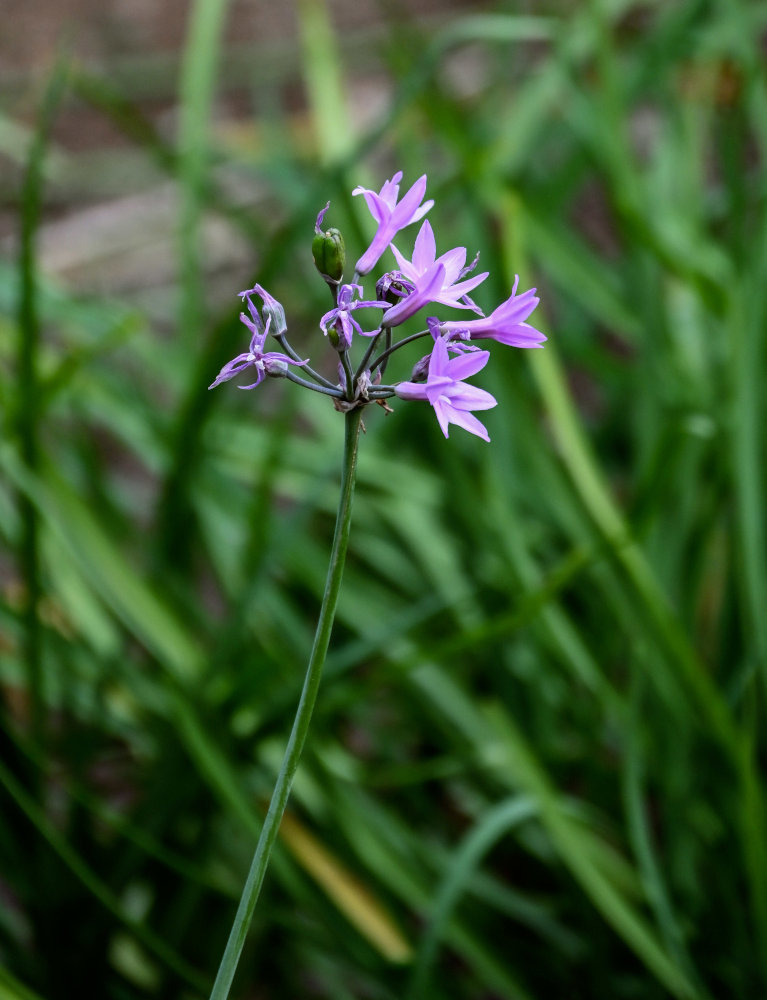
534,770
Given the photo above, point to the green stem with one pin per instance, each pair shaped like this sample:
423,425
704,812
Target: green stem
371,347
292,377
351,381
303,717
280,338
385,355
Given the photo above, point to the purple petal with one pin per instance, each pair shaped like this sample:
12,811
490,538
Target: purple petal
278,356
439,359
347,330
471,267
390,189
320,220
470,424
470,397
232,368
256,329
427,290
258,381
373,254
522,335
417,216
457,291
403,213
471,304
410,390
442,412
466,365
453,261
327,319
369,304
516,309
404,265
425,249
433,324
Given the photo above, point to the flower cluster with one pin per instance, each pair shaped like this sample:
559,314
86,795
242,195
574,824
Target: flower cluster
421,282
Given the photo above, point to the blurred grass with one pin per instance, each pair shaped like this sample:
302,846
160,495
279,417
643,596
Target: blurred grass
535,765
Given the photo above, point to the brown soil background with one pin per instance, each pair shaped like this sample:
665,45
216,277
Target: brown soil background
109,215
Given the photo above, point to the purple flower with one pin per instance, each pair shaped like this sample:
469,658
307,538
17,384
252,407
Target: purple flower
506,324
265,362
341,320
445,390
271,310
425,290
391,215
454,261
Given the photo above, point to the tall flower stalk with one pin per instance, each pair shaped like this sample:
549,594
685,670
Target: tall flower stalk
298,734
437,378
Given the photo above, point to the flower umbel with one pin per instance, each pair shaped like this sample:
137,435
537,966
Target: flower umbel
445,390
423,280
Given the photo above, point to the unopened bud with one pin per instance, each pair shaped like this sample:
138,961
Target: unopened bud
333,336
272,311
275,367
392,287
329,255
421,369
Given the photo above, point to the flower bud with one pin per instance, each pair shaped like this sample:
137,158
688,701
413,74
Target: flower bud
275,367
333,336
272,312
392,287
329,255
421,369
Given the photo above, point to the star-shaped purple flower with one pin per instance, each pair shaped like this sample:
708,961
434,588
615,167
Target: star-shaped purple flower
434,279
445,390
454,262
506,324
341,320
265,362
391,215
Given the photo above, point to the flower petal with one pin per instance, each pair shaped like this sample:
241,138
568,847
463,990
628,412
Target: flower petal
425,249
438,366
426,291
443,411
404,264
466,365
403,213
376,205
454,261
470,424
471,397
410,390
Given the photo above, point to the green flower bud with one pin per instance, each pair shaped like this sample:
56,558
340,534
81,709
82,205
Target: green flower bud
333,336
329,254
